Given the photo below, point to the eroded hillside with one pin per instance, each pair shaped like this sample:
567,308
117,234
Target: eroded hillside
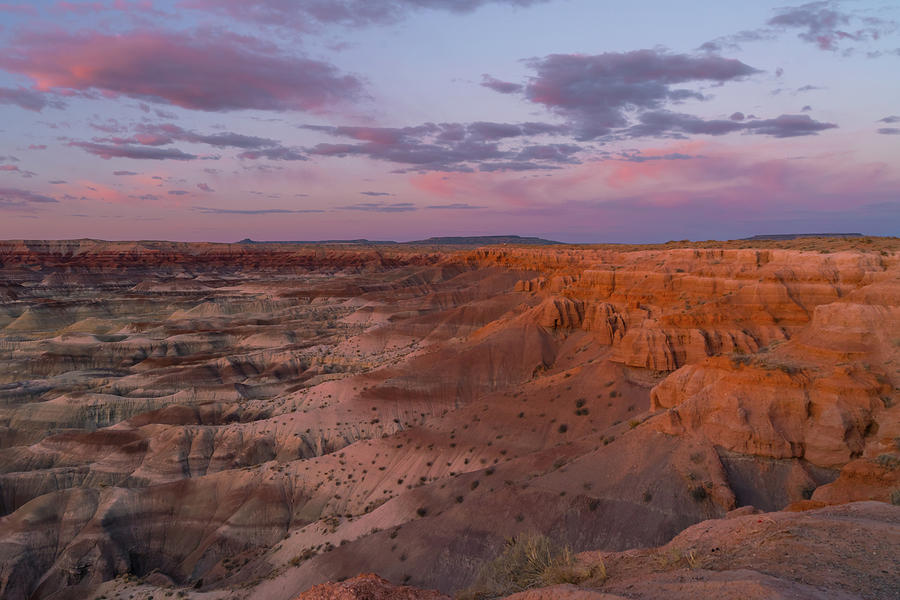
242,421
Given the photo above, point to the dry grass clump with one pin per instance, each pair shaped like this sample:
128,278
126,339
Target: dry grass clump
676,558
530,561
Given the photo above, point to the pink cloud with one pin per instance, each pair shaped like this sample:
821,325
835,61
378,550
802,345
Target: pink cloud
651,165
690,189
442,185
145,6
22,9
206,70
740,177
302,14
138,190
79,8
86,190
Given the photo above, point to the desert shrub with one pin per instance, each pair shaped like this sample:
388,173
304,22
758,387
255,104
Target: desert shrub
303,556
789,369
528,561
889,461
895,497
741,359
699,493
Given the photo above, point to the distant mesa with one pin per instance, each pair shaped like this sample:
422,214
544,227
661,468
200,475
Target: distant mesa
349,242
483,240
794,236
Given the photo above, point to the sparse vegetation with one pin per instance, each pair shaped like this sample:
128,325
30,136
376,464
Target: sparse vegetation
888,461
530,561
699,493
676,558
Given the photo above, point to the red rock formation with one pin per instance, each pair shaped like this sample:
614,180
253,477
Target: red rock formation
275,417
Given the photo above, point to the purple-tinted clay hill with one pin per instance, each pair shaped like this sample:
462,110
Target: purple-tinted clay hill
279,421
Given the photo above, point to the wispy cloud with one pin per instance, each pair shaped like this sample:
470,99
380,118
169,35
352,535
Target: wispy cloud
454,206
23,200
825,24
309,14
453,146
256,211
29,99
381,207
107,151
15,169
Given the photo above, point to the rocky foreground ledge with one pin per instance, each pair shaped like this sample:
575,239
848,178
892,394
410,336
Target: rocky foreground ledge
840,553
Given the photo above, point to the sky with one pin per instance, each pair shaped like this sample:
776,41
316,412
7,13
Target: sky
572,120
